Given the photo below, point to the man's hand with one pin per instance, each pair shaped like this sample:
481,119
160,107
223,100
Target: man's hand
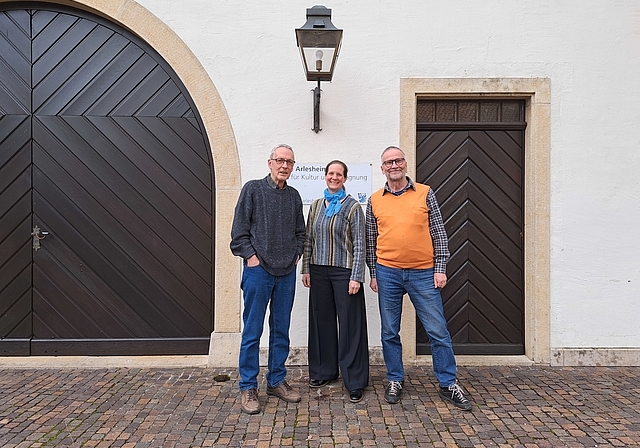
253,261
374,284
354,287
439,280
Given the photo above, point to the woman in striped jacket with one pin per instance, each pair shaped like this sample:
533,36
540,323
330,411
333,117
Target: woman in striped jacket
333,269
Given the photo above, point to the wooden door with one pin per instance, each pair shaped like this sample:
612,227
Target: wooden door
108,155
471,153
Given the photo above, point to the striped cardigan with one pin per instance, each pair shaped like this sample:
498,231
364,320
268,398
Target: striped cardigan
337,240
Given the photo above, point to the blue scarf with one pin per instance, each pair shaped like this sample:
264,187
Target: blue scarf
334,201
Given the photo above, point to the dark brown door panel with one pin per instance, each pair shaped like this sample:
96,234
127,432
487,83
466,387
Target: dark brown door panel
477,175
101,147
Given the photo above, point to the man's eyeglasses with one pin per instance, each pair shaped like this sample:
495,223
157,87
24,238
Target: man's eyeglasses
280,162
389,163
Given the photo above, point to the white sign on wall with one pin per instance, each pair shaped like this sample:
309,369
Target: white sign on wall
308,179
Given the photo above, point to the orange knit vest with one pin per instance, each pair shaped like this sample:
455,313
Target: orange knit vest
404,240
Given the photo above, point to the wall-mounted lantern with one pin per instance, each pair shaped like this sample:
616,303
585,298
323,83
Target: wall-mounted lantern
319,42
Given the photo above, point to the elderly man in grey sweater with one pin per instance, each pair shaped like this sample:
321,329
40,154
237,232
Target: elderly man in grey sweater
268,234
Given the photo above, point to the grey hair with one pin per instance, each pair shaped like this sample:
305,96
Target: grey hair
390,147
282,145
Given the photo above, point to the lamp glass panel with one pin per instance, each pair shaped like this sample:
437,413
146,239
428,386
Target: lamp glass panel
312,54
318,38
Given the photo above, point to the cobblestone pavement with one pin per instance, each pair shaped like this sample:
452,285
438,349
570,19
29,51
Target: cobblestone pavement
186,407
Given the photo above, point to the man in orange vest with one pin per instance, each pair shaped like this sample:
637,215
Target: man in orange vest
407,253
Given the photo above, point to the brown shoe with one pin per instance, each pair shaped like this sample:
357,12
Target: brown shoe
284,392
249,401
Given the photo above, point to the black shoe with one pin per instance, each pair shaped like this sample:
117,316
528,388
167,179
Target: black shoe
356,395
320,383
393,391
455,394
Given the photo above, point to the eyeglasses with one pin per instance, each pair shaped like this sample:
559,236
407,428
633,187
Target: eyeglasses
389,163
280,162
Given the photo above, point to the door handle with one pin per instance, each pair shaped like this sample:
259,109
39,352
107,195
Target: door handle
37,236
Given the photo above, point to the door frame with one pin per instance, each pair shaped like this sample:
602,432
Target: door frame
537,148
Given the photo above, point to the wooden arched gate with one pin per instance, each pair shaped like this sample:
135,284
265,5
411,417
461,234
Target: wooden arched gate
101,147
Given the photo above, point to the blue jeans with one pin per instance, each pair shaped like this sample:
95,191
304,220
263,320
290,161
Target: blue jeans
393,283
261,289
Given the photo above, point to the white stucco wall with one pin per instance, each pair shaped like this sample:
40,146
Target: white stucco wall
589,49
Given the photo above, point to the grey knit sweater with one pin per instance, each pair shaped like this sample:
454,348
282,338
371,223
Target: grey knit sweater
269,223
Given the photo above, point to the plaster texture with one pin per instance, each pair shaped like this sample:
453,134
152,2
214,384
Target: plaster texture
574,62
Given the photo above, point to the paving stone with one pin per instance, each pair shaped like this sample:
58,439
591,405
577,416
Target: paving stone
537,406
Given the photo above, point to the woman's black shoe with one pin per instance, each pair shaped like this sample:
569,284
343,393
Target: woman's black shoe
356,395
319,383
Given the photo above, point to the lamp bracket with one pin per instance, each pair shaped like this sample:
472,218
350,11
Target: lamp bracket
316,108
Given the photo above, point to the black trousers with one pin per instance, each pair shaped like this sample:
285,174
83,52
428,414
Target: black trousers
337,328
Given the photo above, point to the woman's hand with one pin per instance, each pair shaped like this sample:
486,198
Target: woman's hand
354,287
374,284
306,280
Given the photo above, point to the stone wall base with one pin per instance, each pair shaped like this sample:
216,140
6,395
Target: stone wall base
298,356
224,349
601,356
